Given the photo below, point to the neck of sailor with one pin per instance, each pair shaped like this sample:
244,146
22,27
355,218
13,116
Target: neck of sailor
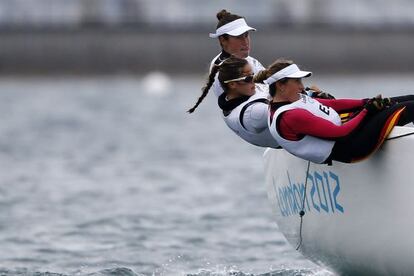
288,90
231,94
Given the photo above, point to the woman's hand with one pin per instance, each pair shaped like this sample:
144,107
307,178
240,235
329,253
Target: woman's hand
387,102
314,88
316,92
375,105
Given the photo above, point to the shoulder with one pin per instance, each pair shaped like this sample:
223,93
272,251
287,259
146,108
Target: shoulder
258,110
255,116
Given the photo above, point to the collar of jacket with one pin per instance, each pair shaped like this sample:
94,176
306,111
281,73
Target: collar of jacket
222,57
228,105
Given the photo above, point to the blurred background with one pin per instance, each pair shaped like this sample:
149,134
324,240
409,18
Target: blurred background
102,170
112,36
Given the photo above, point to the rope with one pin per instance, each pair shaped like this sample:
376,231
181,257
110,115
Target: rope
302,211
399,136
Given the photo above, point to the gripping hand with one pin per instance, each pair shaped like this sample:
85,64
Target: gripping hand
315,92
375,105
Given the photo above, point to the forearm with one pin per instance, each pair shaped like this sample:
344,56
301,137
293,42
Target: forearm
342,105
302,122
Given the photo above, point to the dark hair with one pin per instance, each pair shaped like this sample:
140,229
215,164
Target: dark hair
276,66
206,88
225,17
231,68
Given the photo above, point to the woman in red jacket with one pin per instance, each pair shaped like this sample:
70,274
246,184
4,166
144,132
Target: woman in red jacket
312,128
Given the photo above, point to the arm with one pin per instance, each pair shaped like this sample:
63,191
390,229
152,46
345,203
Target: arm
298,122
341,105
255,117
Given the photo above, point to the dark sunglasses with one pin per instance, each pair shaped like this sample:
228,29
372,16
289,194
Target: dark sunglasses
247,79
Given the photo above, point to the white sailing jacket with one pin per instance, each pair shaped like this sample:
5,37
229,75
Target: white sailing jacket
248,121
309,147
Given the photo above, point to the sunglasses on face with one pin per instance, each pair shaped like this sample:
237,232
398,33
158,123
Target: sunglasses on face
247,79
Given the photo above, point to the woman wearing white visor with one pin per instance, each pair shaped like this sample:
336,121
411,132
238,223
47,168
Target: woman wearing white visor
249,116
312,129
233,34
244,110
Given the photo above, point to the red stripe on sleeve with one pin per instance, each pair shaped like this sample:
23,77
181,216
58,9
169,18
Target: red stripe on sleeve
298,122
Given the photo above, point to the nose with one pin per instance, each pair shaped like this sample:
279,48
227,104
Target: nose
245,39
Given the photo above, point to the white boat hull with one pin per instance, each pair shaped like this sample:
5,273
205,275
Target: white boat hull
358,217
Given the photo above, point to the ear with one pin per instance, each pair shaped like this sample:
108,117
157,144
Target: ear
223,41
232,85
280,86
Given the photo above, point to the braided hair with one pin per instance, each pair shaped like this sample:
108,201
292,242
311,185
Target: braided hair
206,88
223,18
231,68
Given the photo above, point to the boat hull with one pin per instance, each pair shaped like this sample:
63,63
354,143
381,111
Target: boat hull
358,217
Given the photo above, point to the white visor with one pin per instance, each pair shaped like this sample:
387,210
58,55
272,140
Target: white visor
234,28
292,71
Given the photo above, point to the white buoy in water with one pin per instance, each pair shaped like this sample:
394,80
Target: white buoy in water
156,83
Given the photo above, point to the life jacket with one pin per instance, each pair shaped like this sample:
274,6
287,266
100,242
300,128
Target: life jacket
234,120
309,147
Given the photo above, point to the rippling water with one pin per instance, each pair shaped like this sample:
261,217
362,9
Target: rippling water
99,176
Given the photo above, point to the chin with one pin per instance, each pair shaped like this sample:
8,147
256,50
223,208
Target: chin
243,54
246,55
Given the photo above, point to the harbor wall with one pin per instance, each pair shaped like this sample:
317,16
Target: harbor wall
93,51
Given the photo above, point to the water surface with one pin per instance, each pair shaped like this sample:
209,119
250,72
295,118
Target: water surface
104,176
